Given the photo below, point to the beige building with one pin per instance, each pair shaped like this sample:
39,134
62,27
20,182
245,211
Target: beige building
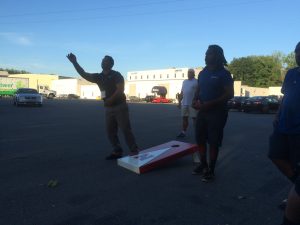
36,80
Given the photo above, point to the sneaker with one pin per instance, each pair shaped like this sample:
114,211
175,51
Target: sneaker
199,169
181,135
114,155
283,204
207,176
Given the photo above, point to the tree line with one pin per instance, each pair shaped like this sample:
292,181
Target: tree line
262,71
13,71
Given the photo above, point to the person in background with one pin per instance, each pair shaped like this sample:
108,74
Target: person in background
185,101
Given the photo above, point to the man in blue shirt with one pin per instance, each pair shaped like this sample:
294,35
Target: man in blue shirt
285,141
215,88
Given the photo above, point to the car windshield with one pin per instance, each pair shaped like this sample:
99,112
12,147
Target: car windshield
27,91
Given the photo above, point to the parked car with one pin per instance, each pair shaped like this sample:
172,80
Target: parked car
149,98
264,104
73,96
46,92
161,100
134,99
28,96
236,102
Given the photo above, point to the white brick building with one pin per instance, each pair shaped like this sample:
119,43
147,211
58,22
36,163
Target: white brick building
140,83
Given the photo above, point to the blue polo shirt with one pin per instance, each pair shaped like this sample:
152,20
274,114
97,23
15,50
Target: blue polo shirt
212,83
289,115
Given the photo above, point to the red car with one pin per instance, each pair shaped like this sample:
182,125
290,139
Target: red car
161,100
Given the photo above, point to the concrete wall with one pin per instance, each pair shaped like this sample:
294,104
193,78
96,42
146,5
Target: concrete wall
275,91
65,87
237,88
90,92
255,91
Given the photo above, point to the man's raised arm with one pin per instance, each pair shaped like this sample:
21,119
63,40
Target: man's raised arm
88,76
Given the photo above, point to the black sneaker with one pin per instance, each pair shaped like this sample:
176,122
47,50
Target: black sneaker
208,176
199,169
181,135
283,204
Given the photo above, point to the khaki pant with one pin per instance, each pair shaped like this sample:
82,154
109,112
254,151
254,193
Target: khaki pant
118,117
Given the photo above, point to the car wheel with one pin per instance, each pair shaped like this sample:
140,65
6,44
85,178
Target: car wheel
51,96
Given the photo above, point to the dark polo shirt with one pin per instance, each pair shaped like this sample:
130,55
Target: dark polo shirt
212,85
108,85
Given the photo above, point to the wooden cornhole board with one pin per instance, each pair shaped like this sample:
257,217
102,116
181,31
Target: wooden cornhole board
156,156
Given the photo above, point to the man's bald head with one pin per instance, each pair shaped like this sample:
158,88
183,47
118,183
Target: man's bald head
191,74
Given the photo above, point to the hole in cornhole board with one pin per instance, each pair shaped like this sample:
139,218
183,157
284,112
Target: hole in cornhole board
174,146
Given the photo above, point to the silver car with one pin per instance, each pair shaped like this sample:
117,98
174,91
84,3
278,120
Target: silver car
28,96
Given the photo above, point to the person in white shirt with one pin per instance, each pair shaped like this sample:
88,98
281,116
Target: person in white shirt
185,101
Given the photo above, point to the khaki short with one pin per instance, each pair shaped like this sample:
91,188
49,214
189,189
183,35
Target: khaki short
188,111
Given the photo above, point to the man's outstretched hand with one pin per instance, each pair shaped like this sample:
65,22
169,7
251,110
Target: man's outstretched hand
72,58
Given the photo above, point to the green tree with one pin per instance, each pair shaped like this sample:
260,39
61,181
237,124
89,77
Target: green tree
13,71
289,61
257,71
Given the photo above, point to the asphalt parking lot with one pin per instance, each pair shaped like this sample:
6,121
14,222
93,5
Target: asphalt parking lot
64,141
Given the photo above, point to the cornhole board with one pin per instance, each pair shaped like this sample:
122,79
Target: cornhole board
156,156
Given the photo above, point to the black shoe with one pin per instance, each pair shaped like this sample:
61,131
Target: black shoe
283,204
114,156
199,169
181,135
208,176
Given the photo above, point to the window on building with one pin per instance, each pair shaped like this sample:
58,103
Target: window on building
130,78
167,75
147,76
135,77
154,76
175,75
160,76
141,77
182,75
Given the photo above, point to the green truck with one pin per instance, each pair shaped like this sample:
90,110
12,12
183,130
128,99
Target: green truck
9,85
